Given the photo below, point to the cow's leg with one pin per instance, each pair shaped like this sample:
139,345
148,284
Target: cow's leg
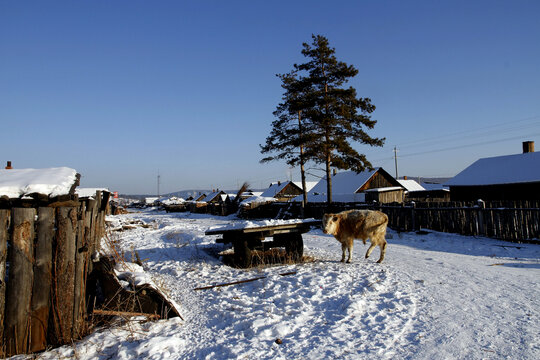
382,245
343,249
350,247
370,249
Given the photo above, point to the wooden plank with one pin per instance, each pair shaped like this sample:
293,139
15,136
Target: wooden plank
42,279
80,285
20,281
91,210
5,216
64,275
125,314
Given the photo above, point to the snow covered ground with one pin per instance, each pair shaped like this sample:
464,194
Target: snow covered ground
436,296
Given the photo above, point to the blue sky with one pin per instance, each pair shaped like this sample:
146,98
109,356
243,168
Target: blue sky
122,90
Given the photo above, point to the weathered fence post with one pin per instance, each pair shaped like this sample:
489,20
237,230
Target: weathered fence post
20,281
42,279
4,227
64,274
90,229
413,215
80,284
481,223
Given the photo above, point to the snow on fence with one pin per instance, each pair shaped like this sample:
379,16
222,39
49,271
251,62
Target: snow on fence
45,256
517,221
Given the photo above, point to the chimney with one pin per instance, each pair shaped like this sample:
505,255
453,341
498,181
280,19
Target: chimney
528,146
404,178
8,165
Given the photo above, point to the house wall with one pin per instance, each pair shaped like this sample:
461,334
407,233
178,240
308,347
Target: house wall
288,193
385,197
378,180
526,191
429,195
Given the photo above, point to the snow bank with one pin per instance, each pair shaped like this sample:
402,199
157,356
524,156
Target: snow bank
172,201
16,183
257,200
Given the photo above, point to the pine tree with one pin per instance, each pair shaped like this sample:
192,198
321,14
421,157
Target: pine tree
290,133
335,114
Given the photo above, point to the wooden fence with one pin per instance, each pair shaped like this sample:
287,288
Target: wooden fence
512,221
44,262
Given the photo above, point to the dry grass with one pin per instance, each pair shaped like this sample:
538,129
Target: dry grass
274,256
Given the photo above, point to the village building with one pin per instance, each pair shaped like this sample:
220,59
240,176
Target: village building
196,197
215,197
509,177
415,191
349,186
282,191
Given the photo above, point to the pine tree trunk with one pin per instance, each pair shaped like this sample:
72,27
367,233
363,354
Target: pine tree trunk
302,162
327,139
328,180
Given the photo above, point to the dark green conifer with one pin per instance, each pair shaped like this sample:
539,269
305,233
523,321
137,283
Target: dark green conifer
336,116
319,117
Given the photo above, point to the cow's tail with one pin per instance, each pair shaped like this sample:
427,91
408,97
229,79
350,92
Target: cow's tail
382,224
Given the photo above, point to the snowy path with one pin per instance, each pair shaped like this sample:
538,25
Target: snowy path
435,296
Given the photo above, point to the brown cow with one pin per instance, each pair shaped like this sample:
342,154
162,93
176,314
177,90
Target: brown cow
357,224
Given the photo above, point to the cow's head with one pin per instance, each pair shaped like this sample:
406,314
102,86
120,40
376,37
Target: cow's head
330,223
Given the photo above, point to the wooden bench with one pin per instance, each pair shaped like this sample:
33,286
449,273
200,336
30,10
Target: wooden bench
247,239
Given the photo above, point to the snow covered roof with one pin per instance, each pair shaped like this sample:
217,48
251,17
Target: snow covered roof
255,199
385,189
173,200
433,186
411,185
16,183
212,196
508,169
309,184
347,182
88,192
274,189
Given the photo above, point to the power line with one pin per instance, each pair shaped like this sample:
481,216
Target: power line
506,127
466,145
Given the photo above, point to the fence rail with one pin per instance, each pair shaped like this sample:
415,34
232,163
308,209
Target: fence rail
511,221
44,262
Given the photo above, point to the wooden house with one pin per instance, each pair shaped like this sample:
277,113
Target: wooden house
510,177
417,192
215,197
349,186
282,191
196,197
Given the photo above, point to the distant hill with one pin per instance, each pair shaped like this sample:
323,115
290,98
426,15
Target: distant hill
429,180
184,194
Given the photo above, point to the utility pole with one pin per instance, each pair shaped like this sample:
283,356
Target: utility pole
395,159
158,177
